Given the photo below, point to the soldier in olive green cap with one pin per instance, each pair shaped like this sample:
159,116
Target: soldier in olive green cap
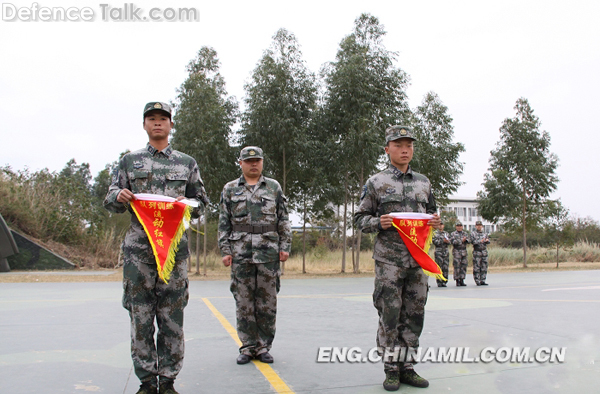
156,169
401,285
254,236
480,239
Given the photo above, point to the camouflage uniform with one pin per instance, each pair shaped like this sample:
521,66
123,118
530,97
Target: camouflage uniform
480,239
146,297
400,285
253,228
442,256
459,254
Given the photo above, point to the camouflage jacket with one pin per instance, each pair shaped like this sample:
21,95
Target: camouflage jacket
479,239
167,172
441,247
261,205
456,239
389,191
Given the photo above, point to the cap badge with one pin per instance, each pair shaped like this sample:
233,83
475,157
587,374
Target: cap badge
402,131
157,105
252,153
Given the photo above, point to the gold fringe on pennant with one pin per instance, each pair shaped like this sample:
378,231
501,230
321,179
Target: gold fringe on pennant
165,275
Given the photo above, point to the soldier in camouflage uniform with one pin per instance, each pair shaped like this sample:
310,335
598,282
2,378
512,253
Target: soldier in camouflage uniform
401,285
156,169
254,236
480,239
441,240
459,241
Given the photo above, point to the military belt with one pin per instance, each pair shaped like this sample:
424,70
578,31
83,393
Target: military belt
254,229
479,248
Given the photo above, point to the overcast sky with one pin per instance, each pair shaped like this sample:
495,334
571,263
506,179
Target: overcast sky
77,89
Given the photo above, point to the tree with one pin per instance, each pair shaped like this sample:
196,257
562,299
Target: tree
280,101
203,122
521,175
436,156
364,94
559,228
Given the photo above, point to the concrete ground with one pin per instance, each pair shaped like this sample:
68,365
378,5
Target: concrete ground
74,337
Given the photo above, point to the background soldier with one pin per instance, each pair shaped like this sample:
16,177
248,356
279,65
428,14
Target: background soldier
400,284
441,240
254,236
480,239
459,241
156,169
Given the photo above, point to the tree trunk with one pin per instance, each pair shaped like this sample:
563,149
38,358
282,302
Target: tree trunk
359,236
557,244
205,238
284,173
524,228
189,234
344,226
353,240
198,247
304,239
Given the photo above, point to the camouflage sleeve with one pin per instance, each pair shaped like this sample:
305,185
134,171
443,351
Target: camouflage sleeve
225,226
195,189
119,181
474,239
284,228
365,217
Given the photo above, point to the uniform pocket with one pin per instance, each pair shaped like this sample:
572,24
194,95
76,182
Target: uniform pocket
269,206
138,181
238,206
176,182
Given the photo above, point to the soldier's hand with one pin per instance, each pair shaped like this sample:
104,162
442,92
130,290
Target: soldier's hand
179,198
125,196
386,221
464,239
283,256
435,221
446,240
227,260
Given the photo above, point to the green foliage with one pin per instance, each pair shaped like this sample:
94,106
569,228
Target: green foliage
436,156
364,94
203,122
280,102
521,175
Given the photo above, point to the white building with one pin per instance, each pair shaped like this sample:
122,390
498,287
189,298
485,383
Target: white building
467,213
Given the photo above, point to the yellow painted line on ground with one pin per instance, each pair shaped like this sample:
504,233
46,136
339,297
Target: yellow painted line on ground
268,372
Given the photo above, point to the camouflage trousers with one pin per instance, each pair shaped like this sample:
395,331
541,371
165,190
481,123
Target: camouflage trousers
480,265
254,288
443,260
148,298
400,296
459,261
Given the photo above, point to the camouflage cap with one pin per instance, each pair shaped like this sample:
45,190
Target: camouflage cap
157,106
458,224
396,132
478,223
251,152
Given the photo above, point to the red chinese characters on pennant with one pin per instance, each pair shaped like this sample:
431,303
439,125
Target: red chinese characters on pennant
164,220
414,230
